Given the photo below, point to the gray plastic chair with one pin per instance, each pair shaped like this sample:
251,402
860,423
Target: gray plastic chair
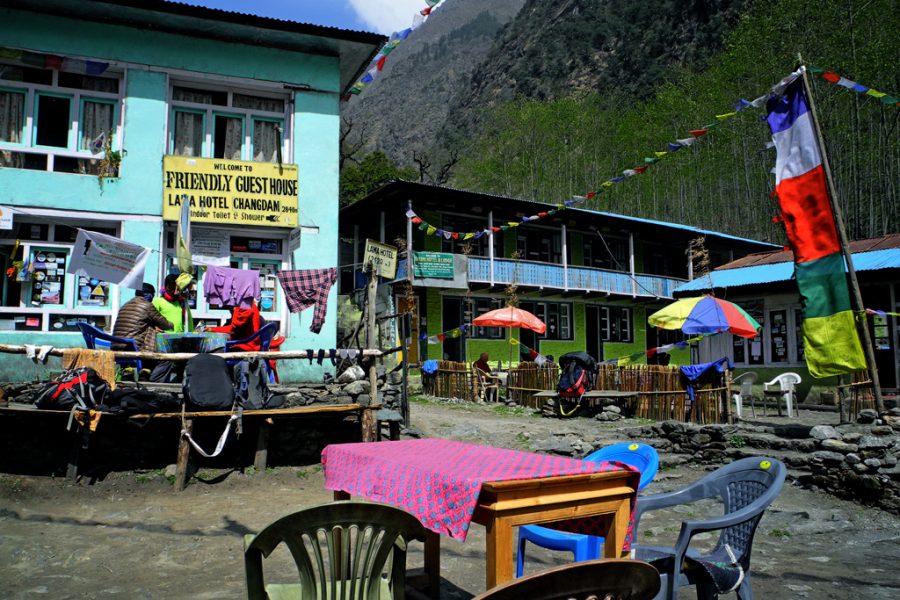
746,487
746,381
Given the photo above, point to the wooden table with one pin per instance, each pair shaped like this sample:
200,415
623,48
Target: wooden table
502,505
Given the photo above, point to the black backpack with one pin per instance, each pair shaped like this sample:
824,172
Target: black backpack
251,384
576,374
207,383
82,388
139,400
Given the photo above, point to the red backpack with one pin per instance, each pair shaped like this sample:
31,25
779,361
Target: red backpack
82,388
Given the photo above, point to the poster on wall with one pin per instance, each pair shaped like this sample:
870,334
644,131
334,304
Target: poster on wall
210,247
108,258
231,191
6,217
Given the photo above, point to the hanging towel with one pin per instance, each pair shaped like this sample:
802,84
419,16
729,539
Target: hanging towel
231,287
303,289
102,361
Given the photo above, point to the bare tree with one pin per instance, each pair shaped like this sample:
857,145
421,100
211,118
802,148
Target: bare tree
351,146
424,164
447,168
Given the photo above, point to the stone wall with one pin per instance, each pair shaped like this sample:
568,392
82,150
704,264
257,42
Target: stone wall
855,461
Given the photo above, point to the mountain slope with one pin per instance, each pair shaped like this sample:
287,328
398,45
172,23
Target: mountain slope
404,107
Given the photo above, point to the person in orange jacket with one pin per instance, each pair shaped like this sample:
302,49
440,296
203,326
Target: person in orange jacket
244,322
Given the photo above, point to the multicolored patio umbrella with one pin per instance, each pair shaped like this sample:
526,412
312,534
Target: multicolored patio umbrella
705,314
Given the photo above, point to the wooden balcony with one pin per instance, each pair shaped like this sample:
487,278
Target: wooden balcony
546,276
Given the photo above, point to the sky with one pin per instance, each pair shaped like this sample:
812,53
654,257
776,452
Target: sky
381,16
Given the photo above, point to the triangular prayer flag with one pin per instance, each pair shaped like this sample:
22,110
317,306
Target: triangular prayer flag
858,87
650,160
629,172
889,100
416,220
846,83
607,184
815,70
831,76
468,236
660,154
725,116
431,229
542,214
742,104
513,223
423,226
673,147
410,213
590,195
425,11
617,179
640,169
759,102
441,337
697,132
448,235
455,236
686,141
876,94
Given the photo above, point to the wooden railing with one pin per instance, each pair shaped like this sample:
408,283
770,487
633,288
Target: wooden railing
452,380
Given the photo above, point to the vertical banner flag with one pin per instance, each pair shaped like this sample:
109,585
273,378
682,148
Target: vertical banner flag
830,338
183,254
109,259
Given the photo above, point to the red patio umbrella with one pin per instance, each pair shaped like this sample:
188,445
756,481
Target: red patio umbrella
510,316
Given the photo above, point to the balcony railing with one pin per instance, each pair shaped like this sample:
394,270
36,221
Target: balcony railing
552,276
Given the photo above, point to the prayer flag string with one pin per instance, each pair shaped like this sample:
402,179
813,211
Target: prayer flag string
835,79
377,65
52,61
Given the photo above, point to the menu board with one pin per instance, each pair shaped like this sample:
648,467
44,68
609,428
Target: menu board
778,336
48,276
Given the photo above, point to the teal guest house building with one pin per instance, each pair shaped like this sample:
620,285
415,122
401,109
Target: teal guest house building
111,111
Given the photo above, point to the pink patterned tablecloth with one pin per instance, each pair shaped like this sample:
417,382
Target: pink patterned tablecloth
439,481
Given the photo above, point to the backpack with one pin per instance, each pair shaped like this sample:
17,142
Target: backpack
251,384
139,400
79,388
576,374
207,383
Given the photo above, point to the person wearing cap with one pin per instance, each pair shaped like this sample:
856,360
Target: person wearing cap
139,320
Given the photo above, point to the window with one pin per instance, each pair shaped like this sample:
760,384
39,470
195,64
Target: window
219,124
56,121
256,253
479,306
615,323
597,255
556,315
478,247
540,245
41,295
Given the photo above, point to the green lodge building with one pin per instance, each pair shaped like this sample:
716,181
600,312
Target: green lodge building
592,277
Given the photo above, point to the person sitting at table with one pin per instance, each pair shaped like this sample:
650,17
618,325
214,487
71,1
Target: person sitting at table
244,322
482,363
140,320
173,305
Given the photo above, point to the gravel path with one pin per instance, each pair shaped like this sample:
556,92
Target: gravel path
129,536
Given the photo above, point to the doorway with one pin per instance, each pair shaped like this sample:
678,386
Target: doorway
593,333
452,317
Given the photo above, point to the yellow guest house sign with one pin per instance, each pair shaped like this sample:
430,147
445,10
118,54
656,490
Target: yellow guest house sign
232,192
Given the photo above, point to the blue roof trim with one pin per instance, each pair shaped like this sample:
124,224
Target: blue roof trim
725,278
679,226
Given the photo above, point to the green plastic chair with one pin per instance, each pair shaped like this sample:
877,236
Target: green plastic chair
341,551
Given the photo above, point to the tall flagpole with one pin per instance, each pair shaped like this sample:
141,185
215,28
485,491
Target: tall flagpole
861,324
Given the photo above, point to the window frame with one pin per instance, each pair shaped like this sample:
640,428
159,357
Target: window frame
24,132
606,316
69,305
76,96
248,115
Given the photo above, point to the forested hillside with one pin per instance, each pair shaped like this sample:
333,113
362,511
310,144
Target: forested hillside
552,149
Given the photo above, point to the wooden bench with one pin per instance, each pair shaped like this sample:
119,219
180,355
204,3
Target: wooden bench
590,399
183,462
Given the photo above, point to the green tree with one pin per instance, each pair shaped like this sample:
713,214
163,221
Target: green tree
373,171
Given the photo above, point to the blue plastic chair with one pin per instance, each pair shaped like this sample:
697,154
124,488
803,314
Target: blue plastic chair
587,547
265,335
97,339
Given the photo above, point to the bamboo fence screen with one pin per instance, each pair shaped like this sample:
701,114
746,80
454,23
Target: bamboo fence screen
661,394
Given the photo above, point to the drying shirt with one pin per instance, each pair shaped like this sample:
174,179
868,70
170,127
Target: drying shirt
231,287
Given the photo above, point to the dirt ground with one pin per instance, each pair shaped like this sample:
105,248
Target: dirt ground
130,536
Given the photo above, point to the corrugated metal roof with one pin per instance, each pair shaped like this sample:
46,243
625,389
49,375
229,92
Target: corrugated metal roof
857,246
373,196
784,271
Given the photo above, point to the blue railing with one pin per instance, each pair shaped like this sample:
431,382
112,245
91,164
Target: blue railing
544,275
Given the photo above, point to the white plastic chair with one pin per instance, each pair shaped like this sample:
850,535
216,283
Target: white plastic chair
746,380
786,383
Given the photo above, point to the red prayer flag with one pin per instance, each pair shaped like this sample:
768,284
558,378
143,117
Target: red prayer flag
441,337
455,236
495,229
380,64
542,214
698,132
590,195
53,62
417,220
640,169
831,76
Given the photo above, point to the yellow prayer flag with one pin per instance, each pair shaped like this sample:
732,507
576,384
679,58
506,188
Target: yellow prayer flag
607,184
431,229
875,93
725,116
513,341
660,154
468,236
513,223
